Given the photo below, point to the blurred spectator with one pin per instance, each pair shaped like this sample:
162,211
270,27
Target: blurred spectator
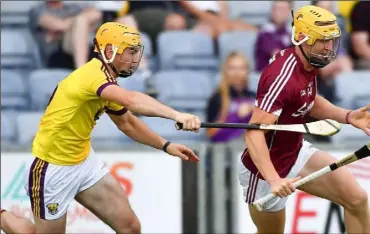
212,17
275,35
152,17
232,101
345,9
342,62
360,35
112,9
63,30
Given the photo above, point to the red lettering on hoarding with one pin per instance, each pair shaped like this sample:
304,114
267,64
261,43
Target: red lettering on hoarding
126,183
80,213
299,213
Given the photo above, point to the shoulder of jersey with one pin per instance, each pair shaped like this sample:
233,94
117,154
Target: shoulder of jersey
282,58
94,71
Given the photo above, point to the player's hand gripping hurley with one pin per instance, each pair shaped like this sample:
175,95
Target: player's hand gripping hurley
323,127
359,154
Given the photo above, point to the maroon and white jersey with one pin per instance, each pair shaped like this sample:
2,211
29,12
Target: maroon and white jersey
287,90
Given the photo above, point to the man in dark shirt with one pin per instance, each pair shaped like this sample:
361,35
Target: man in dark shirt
360,36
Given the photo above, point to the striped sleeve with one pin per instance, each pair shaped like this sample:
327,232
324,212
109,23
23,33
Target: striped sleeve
271,93
115,109
100,84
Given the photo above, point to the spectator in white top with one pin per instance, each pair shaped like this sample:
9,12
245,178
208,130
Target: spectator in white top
212,17
63,31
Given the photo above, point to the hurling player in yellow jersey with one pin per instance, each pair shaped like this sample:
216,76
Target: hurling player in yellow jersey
65,167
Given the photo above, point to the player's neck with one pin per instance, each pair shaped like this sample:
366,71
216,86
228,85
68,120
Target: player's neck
307,66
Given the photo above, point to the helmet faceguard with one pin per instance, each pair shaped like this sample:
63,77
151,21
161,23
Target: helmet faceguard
322,35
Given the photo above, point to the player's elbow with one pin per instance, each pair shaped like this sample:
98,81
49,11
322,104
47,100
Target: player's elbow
129,100
253,135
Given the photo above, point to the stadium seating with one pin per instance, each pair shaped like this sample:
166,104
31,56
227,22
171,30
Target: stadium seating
242,41
166,128
42,84
106,132
350,135
135,82
186,49
13,90
353,89
27,126
19,50
184,89
8,127
15,15
148,51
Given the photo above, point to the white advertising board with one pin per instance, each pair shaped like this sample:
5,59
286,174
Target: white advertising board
306,213
152,181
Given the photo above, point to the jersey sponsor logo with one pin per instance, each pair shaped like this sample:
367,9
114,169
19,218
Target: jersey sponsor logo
310,86
52,208
303,110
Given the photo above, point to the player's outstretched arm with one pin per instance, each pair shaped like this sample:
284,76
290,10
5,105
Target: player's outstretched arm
10,223
323,109
137,130
145,105
359,118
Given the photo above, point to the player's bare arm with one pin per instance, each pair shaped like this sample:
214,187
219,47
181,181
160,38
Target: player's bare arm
145,105
256,143
359,118
136,129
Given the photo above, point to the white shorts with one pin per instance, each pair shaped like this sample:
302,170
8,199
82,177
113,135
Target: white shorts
254,188
52,188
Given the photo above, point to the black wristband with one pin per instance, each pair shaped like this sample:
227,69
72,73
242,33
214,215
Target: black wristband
164,148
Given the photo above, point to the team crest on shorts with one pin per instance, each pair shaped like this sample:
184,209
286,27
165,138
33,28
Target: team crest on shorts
52,208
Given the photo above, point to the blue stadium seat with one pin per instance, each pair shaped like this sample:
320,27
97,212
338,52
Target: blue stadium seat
166,128
27,126
184,89
135,82
13,90
242,41
148,51
8,127
19,50
186,49
353,89
254,78
350,135
15,15
42,84
106,132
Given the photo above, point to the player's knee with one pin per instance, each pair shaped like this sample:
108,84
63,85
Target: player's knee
130,225
357,201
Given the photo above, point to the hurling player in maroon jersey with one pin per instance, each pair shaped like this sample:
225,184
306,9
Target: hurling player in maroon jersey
286,94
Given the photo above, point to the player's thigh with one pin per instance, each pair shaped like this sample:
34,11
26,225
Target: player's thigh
108,201
51,226
51,188
268,222
274,211
339,186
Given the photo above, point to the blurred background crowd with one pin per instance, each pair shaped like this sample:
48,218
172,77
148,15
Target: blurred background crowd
203,57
